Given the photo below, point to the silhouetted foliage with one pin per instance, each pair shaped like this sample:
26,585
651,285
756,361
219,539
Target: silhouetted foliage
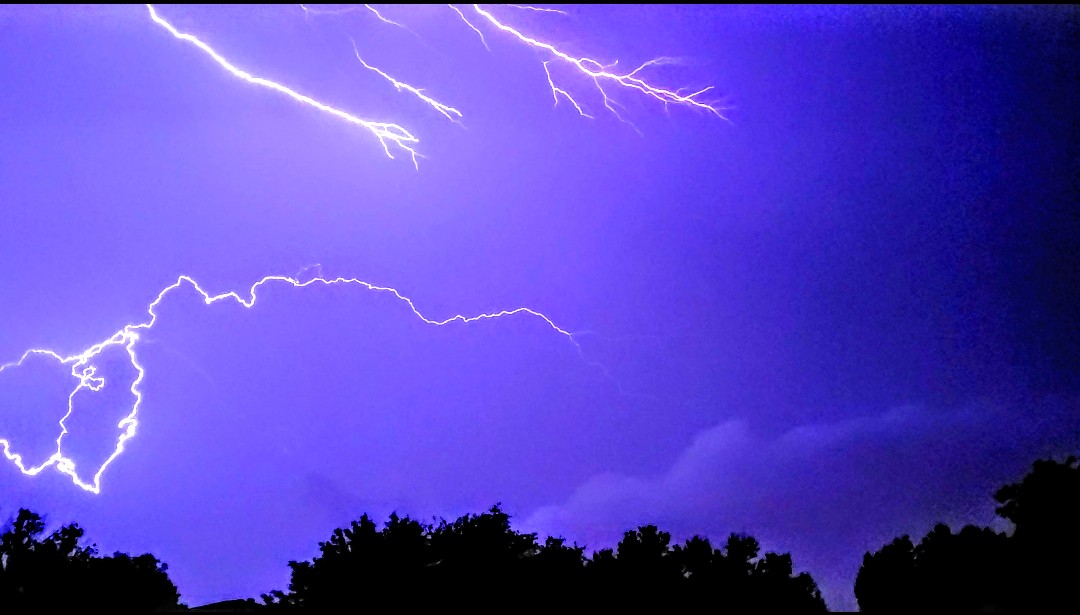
1036,566
1045,510
360,557
737,579
1045,506
479,561
967,571
39,571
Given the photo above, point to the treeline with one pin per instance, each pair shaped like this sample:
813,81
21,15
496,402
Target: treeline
1036,567
479,561
41,571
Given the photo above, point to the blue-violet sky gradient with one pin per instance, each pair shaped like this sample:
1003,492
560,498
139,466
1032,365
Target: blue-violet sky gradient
845,314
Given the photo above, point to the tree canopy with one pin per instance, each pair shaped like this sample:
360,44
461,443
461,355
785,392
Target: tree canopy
1036,566
39,570
481,561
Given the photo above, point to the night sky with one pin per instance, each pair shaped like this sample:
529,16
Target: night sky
844,313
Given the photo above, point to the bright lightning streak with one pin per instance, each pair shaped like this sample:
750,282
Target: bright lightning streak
381,18
388,134
350,9
535,8
469,23
609,104
129,335
446,110
654,62
555,91
601,75
341,11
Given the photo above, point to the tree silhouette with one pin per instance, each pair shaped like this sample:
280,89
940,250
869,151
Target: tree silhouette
480,562
642,571
475,559
1044,508
979,569
556,570
359,559
736,578
54,571
966,571
886,580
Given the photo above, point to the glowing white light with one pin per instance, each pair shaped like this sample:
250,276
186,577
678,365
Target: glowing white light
128,338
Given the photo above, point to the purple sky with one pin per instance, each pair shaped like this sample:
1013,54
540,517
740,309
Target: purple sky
842,316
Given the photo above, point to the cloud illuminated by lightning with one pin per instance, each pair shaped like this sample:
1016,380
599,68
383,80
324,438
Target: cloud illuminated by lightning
128,337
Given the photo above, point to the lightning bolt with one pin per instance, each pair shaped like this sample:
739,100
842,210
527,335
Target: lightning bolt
449,112
535,8
471,26
381,18
129,336
595,71
388,134
555,91
601,74
395,137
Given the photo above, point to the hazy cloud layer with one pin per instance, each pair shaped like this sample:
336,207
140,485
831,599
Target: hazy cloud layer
827,492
